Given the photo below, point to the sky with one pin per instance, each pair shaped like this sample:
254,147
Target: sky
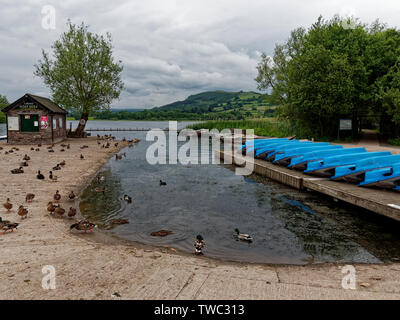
170,49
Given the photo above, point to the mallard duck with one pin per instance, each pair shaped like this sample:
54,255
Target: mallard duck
32,149
39,175
57,196
127,198
52,177
163,183
62,150
161,233
242,236
199,244
24,164
62,163
51,207
29,197
17,171
26,158
51,150
37,149
83,225
82,157
39,145
59,211
68,146
118,157
71,195
6,225
8,205
57,167
116,144
22,212
71,212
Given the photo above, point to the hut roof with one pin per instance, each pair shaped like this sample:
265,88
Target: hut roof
44,102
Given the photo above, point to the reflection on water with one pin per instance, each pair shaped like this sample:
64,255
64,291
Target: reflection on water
287,226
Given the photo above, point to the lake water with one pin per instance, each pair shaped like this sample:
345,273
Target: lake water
287,226
3,129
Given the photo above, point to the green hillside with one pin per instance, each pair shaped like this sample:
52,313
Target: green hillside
210,105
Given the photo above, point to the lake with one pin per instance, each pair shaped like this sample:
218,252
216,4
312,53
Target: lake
287,226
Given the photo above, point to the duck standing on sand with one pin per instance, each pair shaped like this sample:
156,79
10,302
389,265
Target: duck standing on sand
29,197
24,164
242,236
199,244
40,176
71,212
22,212
57,167
8,205
83,225
62,163
17,171
59,211
52,177
51,207
57,196
26,158
6,225
71,195
82,157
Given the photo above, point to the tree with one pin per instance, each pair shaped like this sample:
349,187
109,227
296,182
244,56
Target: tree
81,74
3,103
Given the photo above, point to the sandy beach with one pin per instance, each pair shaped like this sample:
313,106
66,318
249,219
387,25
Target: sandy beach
94,266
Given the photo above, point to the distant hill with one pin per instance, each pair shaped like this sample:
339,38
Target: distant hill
204,106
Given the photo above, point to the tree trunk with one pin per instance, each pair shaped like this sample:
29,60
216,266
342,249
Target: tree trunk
81,126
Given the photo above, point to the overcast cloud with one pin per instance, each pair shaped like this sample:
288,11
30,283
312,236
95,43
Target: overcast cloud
169,48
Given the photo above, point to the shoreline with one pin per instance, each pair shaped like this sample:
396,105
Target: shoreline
94,266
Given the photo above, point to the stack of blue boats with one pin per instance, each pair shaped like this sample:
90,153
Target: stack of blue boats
357,165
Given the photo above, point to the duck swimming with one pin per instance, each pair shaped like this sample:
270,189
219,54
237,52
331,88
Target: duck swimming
242,236
199,244
127,198
163,183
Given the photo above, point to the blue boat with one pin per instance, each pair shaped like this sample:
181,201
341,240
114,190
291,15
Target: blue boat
383,178
300,163
283,158
267,144
327,166
3,137
355,173
281,150
262,151
252,143
397,188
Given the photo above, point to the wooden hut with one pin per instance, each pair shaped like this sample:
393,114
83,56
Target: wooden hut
33,119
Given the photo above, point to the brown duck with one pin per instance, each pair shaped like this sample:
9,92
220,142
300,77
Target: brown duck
57,196
26,158
51,207
8,205
71,195
71,212
29,197
22,212
59,211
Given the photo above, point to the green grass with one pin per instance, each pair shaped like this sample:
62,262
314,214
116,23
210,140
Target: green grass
265,127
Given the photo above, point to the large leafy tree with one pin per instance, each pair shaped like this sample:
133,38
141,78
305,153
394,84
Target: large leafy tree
81,72
3,103
331,71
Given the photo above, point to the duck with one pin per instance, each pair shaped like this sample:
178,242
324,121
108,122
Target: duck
51,150
59,211
29,197
8,205
26,158
22,212
68,147
24,164
62,163
52,177
199,244
32,149
71,212
57,167
17,171
6,225
40,176
127,198
37,149
118,221
83,225
57,196
163,183
71,195
118,157
82,157
62,150
51,207
243,236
